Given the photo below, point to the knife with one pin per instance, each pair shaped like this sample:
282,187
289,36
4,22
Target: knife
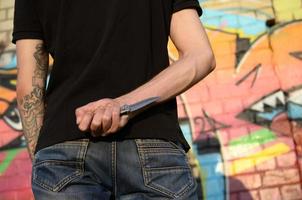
127,109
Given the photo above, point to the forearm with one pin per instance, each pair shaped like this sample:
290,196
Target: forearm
31,108
31,82
175,79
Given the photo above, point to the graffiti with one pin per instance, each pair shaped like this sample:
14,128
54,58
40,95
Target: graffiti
255,102
243,121
10,120
297,54
205,121
254,71
264,111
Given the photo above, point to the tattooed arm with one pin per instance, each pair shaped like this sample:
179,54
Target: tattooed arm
32,67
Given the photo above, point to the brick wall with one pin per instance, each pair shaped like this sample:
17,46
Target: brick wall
240,121
6,18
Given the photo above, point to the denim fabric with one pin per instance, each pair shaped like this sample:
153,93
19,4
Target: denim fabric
132,169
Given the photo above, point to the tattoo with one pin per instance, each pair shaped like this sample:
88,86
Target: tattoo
31,106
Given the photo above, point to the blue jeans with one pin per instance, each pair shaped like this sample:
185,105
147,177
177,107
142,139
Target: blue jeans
132,169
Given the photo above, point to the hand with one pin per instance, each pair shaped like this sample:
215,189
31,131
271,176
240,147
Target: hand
102,117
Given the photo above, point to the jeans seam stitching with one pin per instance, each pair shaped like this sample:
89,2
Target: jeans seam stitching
146,171
178,147
113,167
146,177
78,164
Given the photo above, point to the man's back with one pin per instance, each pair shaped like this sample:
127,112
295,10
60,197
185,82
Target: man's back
101,50
106,55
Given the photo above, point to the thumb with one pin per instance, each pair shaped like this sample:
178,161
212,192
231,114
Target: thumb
123,120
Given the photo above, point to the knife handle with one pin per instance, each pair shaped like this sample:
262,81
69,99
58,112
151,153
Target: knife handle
125,109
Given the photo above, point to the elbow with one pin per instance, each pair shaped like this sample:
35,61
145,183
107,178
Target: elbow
203,63
206,61
201,57
212,61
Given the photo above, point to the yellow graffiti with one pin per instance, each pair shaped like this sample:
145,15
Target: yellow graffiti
287,11
250,161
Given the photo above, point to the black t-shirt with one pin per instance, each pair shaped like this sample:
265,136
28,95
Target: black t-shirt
101,50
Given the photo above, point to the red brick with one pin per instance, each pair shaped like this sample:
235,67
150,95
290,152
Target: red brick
194,110
24,165
197,94
232,105
24,155
233,196
221,91
286,140
263,87
243,90
213,107
9,182
270,194
250,195
287,159
223,75
245,182
230,119
250,99
237,132
11,170
280,176
291,192
25,194
266,165
9,195
210,79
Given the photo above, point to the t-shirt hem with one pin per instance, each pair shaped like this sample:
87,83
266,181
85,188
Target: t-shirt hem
178,137
25,35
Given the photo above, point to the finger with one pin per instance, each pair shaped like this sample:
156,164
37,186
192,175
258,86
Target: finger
107,119
84,124
79,112
115,119
96,122
123,121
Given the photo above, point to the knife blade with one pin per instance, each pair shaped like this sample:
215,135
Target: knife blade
126,109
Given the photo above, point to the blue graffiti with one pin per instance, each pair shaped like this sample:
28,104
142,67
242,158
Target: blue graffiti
214,185
248,25
12,64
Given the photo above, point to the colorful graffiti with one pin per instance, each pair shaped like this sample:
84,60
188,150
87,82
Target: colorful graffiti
243,121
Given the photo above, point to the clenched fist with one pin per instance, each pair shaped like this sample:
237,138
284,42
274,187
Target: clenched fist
101,117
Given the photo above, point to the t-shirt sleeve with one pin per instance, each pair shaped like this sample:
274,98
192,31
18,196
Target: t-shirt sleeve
181,4
26,25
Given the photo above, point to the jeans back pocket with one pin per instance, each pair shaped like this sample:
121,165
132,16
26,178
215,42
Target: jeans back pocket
165,167
57,165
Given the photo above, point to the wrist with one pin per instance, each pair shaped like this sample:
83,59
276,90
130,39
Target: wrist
122,100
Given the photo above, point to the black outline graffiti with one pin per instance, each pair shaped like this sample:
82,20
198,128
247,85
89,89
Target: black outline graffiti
255,70
296,54
211,121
